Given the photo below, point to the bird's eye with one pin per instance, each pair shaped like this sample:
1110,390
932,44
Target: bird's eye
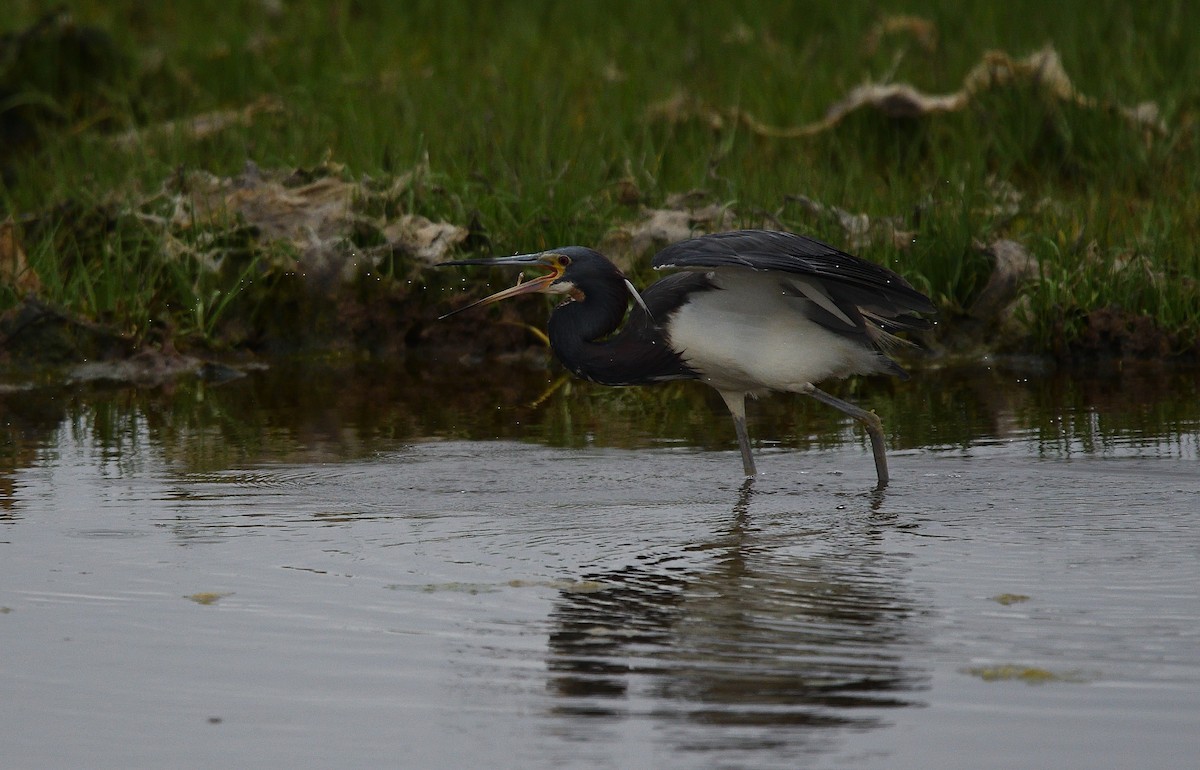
562,261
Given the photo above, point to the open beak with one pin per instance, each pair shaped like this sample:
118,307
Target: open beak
539,284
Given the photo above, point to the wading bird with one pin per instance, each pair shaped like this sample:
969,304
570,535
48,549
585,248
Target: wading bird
752,311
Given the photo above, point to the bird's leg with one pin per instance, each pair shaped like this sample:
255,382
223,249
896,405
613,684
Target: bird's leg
737,407
870,421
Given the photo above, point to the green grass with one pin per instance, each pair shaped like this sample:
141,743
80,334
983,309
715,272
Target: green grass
532,114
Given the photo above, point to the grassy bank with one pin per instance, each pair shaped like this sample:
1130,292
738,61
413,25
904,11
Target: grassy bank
536,124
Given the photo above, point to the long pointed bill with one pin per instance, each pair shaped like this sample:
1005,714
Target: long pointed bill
539,284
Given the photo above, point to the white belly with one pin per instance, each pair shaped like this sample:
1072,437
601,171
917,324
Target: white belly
751,336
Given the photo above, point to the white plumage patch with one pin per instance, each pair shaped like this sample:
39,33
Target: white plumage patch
752,334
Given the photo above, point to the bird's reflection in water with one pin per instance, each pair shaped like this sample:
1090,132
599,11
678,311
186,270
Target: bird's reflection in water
753,641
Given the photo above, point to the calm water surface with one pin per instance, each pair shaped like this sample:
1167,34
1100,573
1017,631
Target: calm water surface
423,568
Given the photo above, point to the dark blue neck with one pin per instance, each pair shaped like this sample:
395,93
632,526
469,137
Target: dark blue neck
584,336
579,327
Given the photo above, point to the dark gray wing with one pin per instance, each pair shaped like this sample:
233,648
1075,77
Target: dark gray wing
865,283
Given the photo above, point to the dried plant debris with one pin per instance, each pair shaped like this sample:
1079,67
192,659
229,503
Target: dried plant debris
921,31
200,126
862,230
996,70
683,216
1013,268
319,217
14,266
274,232
687,215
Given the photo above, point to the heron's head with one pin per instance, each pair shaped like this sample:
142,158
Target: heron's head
570,270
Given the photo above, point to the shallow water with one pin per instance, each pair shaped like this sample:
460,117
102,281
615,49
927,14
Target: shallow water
419,568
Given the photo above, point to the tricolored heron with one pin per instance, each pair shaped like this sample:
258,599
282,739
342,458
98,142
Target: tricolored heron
753,311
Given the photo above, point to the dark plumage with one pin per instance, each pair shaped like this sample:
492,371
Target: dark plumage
753,311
